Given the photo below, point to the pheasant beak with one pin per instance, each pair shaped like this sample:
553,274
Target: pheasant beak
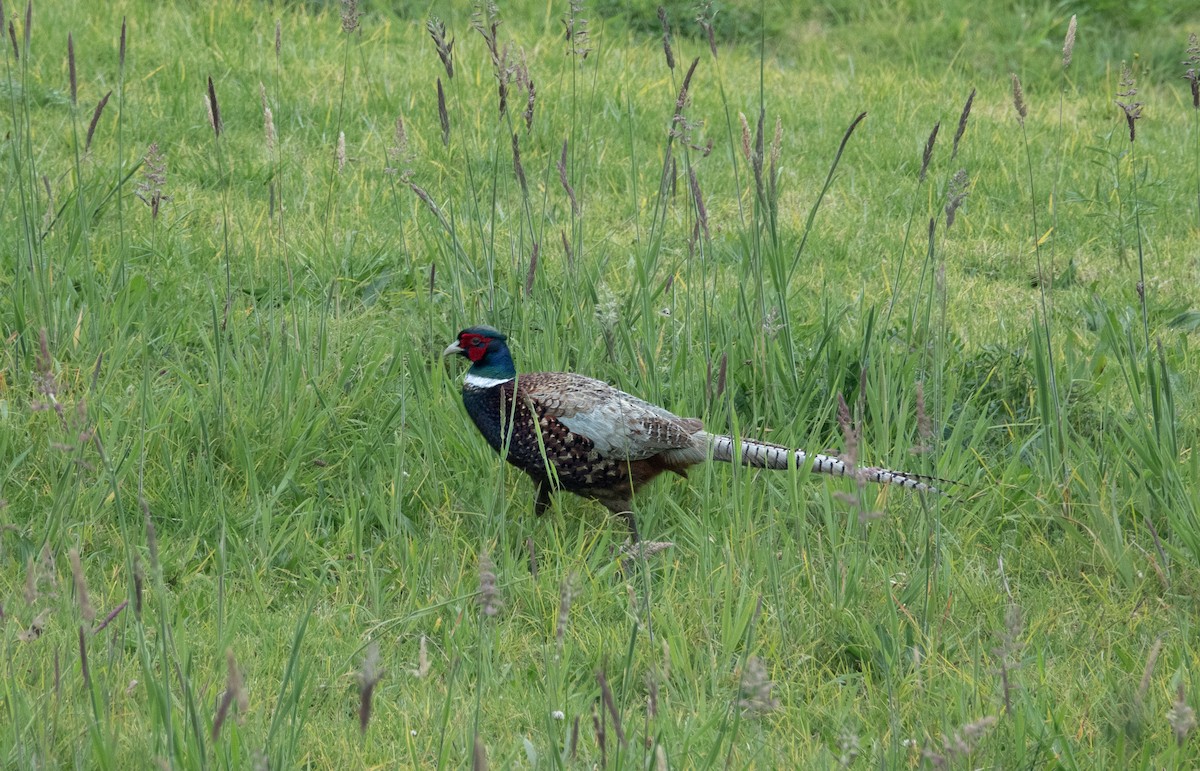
452,349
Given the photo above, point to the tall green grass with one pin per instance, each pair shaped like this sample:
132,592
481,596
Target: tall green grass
222,393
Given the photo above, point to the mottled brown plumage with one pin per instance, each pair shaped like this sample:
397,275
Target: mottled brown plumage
578,434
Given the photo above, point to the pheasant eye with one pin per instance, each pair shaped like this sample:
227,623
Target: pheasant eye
474,341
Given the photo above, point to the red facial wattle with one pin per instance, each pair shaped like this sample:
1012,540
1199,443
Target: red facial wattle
476,347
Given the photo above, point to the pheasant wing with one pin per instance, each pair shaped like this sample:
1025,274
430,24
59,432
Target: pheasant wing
618,424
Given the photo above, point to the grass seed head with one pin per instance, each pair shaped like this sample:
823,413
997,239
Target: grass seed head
1181,717
443,114
956,192
704,17
81,589
1069,42
479,755
927,155
445,48
87,145
666,28
350,16
71,70
422,668
962,123
1019,99
214,109
369,675
489,594
578,38
754,689
1192,74
1132,109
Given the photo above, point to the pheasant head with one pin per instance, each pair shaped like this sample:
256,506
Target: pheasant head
487,351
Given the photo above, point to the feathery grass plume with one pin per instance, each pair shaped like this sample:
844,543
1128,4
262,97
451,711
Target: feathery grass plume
1008,652
570,255
139,584
666,28
81,584
698,198
959,746
214,109
443,115
1069,42
369,675
529,278
28,23
962,123
485,19
151,538
1132,109
1019,99
269,135
479,756
746,151
776,154
754,688
928,154
71,70
445,49
489,595
682,101
340,153
850,746
121,49
422,661
45,381
562,178
849,455
350,16
1181,717
12,36
36,628
235,693
924,424
704,17
87,145
278,38
433,207
956,192
1192,75
601,736
112,614
579,41
154,179
1148,672
83,659
517,168
573,743
31,582
529,104
609,705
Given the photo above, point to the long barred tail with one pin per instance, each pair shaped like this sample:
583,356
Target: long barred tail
775,457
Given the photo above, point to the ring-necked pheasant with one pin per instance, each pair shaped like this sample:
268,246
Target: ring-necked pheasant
602,443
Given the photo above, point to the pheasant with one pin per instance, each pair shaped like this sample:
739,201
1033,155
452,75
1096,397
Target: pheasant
578,434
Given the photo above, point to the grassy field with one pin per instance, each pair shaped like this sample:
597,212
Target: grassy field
247,522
